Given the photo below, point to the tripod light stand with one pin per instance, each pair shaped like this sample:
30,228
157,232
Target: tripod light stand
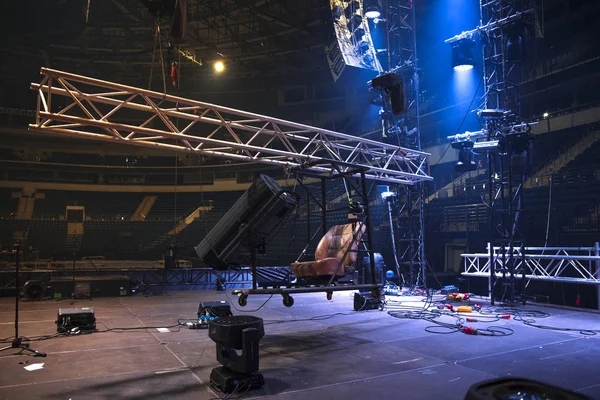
17,342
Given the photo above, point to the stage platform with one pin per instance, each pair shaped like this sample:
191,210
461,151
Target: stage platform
358,355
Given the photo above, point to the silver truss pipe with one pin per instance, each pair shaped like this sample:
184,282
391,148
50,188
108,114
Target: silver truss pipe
561,279
273,141
590,249
538,256
183,101
488,27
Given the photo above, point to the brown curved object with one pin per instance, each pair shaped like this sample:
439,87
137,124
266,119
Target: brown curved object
330,251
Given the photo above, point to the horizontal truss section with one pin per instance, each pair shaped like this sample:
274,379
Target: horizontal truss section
149,276
558,264
100,110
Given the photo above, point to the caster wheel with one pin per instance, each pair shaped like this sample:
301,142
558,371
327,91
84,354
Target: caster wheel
243,300
288,300
329,295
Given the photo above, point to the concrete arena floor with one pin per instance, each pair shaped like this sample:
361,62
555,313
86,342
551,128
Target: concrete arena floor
359,356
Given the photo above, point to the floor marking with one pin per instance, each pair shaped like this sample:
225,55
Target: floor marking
521,349
355,380
563,354
407,361
587,387
208,388
81,378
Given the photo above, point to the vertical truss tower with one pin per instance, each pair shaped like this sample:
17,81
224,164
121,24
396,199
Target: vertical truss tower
505,28
402,60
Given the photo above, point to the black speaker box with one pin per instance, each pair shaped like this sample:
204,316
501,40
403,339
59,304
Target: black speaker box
366,301
217,309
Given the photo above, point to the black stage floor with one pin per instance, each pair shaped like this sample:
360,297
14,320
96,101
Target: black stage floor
366,355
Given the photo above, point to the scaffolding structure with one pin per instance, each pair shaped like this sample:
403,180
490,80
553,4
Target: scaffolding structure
402,59
504,30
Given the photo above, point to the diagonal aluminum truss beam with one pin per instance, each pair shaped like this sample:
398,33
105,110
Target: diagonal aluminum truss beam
101,110
558,264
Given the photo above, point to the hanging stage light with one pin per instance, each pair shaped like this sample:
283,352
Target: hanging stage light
392,85
462,54
465,156
372,9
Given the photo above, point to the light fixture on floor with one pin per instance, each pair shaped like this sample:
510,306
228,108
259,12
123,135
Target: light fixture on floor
239,371
521,389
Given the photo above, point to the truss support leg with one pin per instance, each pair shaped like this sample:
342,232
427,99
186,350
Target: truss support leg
597,254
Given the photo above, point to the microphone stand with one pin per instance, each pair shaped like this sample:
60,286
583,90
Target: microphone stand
17,342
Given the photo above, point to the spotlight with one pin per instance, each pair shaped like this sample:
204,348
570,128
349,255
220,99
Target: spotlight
219,66
546,115
372,9
388,196
465,161
462,54
461,68
465,156
372,12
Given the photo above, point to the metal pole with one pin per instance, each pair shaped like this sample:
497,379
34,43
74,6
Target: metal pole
388,67
416,78
512,218
324,205
417,105
491,228
597,254
365,195
308,235
17,249
523,250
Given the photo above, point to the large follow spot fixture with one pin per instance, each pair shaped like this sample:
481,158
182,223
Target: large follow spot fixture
246,228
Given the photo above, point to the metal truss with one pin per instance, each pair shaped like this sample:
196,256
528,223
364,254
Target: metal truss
503,31
556,264
206,277
503,22
103,111
410,242
402,60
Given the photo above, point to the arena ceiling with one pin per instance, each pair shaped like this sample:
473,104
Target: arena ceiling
249,36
